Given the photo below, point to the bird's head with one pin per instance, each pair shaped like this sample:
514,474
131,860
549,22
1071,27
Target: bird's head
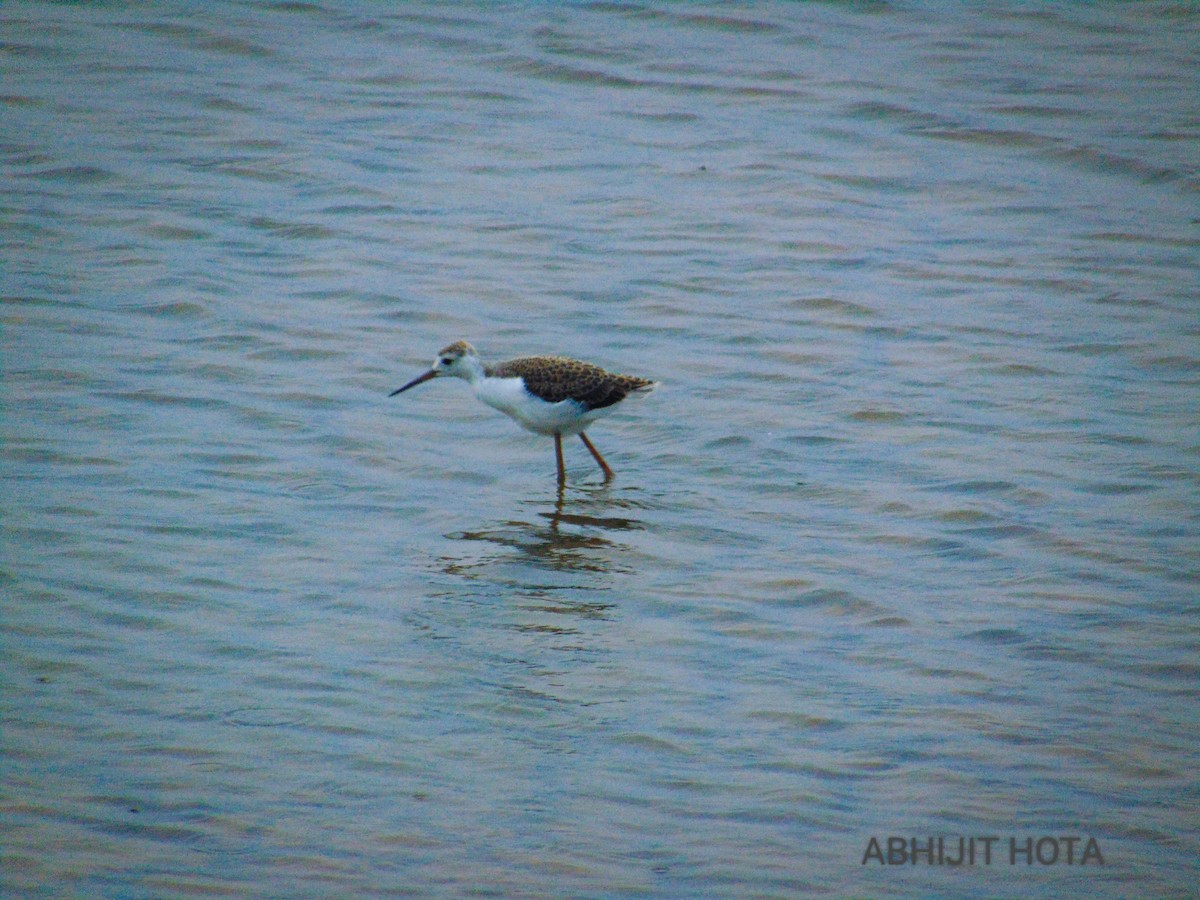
459,360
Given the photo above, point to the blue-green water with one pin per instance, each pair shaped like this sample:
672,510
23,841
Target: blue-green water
906,544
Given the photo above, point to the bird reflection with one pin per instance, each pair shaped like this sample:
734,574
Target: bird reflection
560,515
574,532
545,587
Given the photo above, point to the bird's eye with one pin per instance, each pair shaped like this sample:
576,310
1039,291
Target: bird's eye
445,361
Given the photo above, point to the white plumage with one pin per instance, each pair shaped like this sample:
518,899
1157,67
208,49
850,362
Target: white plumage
544,394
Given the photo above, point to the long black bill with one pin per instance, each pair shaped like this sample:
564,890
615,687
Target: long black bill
414,382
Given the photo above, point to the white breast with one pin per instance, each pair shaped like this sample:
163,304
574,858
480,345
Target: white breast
505,394
510,397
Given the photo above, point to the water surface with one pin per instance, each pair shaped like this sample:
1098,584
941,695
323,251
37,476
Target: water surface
905,544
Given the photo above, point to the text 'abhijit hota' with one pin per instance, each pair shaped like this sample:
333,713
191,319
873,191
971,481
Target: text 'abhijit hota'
981,851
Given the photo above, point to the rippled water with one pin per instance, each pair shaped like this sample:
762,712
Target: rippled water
906,544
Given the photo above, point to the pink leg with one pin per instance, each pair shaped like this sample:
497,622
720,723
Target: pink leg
608,473
562,470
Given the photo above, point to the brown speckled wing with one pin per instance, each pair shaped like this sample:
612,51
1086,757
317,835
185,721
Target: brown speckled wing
556,378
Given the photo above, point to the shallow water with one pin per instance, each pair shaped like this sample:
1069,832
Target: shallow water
904,545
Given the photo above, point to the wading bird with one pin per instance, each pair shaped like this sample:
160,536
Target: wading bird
545,394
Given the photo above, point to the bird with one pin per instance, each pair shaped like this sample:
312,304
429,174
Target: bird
549,395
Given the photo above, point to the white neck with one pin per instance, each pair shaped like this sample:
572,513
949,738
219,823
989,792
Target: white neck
471,368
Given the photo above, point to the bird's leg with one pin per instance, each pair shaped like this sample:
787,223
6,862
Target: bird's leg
608,473
562,470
